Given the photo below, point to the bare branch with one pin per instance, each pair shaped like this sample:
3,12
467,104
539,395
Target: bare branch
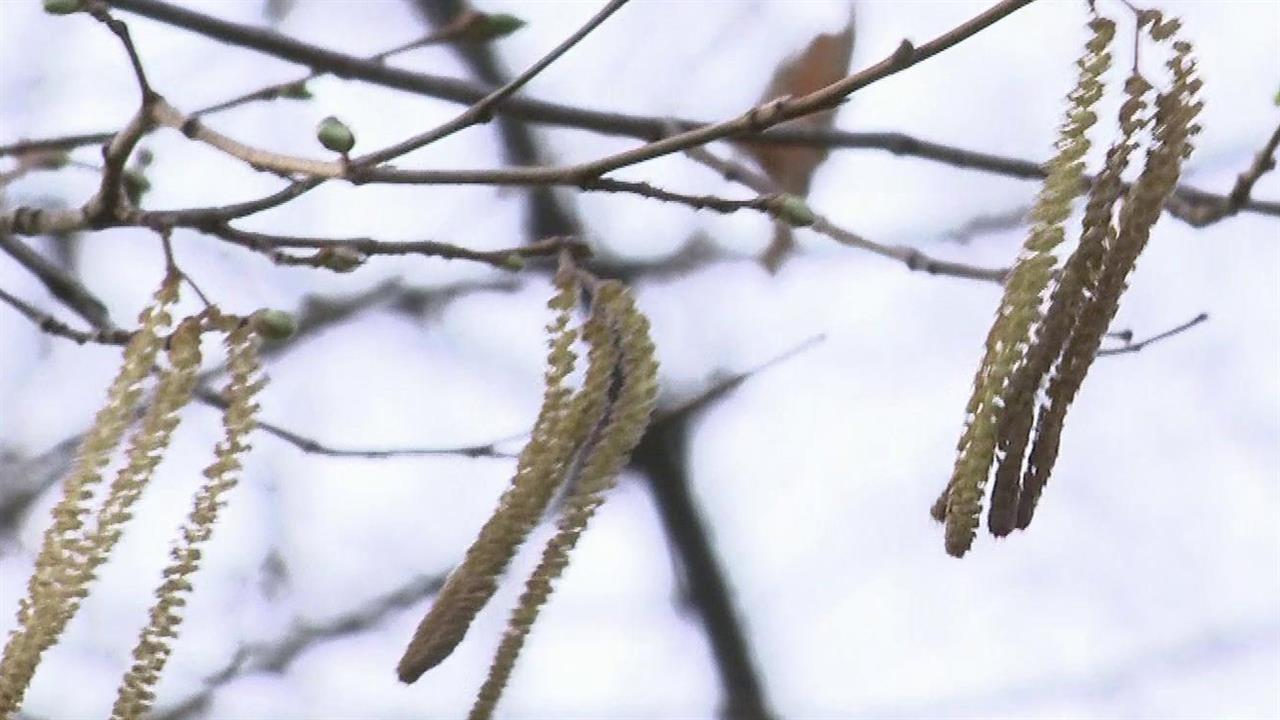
511,259
547,213
102,208
447,33
482,110
491,449
1133,347
61,284
1207,213
277,656
989,222
538,111
54,326
754,121
23,480
914,259
315,447
285,165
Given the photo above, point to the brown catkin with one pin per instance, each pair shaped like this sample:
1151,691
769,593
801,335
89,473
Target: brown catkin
1174,125
1077,282
1019,309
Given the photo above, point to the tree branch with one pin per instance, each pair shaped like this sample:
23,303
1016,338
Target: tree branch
54,326
637,126
914,259
277,656
511,259
1207,213
62,285
661,457
548,214
101,210
482,110
1132,347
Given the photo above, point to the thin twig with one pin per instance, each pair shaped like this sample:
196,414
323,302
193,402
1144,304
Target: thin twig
62,285
914,259
445,34
314,447
988,223
548,213
1133,347
650,191
1202,214
482,110
103,207
755,120
538,111
54,326
276,656
356,169
504,259
490,449
270,92
729,383
662,460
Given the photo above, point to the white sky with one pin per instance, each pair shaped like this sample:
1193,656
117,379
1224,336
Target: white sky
1148,587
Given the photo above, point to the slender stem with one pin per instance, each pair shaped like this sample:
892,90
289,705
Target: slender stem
483,109
48,323
1133,347
61,284
661,457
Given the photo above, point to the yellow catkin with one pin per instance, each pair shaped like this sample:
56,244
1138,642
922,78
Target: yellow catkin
147,446
539,471
56,586
603,457
136,692
1019,309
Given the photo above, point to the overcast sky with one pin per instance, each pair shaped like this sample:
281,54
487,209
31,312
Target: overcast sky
1148,586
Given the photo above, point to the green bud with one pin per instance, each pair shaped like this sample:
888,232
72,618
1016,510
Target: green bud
486,27
512,262
335,136
793,210
296,91
339,258
63,7
1278,98
274,325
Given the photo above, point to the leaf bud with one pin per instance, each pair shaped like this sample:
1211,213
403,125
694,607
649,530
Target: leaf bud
339,258
793,210
63,7
334,135
274,325
486,27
